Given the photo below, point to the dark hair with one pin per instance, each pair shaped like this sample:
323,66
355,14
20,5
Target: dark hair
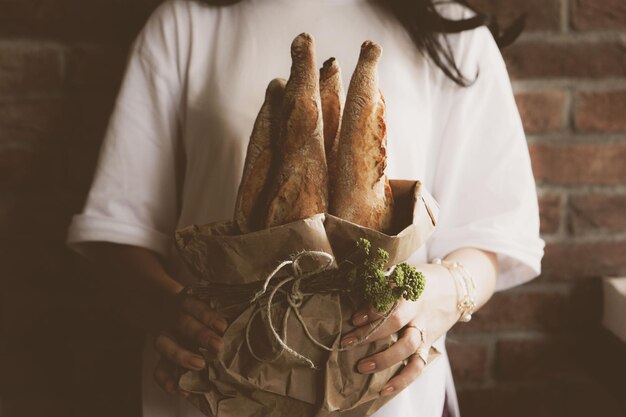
424,24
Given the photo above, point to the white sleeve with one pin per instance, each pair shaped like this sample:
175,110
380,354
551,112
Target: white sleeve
133,197
483,181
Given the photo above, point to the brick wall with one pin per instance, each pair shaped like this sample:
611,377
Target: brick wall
530,351
524,354
61,353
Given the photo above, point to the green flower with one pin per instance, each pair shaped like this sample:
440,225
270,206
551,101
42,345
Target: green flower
372,284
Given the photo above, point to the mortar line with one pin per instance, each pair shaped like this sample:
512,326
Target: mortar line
571,37
565,16
563,230
575,138
579,84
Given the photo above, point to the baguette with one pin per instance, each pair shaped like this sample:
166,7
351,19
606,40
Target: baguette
333,100
251,197
300,188
361,192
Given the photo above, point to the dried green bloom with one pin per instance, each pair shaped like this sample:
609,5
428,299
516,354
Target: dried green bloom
409,281
370,281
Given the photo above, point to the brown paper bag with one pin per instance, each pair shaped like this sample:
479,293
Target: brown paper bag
251,378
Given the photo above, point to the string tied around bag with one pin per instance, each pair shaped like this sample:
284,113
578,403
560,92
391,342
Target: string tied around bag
294,298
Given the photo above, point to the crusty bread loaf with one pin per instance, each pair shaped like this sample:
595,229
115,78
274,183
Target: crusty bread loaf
300,187
333,99
252,195
361,192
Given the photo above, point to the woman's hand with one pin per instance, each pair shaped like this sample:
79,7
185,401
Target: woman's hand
435,312
195,324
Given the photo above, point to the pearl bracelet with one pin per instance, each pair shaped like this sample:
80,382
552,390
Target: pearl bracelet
465,285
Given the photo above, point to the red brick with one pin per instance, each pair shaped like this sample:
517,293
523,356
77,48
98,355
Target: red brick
598,14
81,118
538,308
541,14
112,20
26,68
468,360
90,115
30,120
550,212
579,164
601,111
41,217
26,168
569,60
597,212
541,111
527,359
519,310
95,67
584,260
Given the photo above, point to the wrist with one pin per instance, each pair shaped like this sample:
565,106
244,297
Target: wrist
440,295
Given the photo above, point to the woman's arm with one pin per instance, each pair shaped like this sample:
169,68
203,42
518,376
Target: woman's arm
435,312
135,281
144,294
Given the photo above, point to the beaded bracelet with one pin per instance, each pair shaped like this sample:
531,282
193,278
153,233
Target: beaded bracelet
465,285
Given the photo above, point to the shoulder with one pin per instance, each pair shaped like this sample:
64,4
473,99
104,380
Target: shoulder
474,49
169,28
166,37
162,30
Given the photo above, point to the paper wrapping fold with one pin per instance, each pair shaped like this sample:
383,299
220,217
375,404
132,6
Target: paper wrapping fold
237,384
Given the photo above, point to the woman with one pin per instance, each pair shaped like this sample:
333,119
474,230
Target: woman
174,150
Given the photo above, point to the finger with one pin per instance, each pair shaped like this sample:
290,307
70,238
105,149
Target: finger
192,329
368,333
166,377
206,315
366,315
406,345
176,354
409,373
374,330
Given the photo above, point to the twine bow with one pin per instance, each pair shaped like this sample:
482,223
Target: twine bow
294,299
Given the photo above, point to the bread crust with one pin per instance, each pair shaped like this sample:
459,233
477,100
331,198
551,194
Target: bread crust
361,192
300,187
333,101
252,194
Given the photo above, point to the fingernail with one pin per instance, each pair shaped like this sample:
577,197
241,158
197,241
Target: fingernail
366,366
388,390
348,341
359,319
222,325
198,363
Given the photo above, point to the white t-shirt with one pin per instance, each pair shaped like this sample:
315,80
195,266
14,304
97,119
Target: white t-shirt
174,150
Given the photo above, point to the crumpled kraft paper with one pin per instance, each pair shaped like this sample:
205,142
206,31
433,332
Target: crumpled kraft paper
236,383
